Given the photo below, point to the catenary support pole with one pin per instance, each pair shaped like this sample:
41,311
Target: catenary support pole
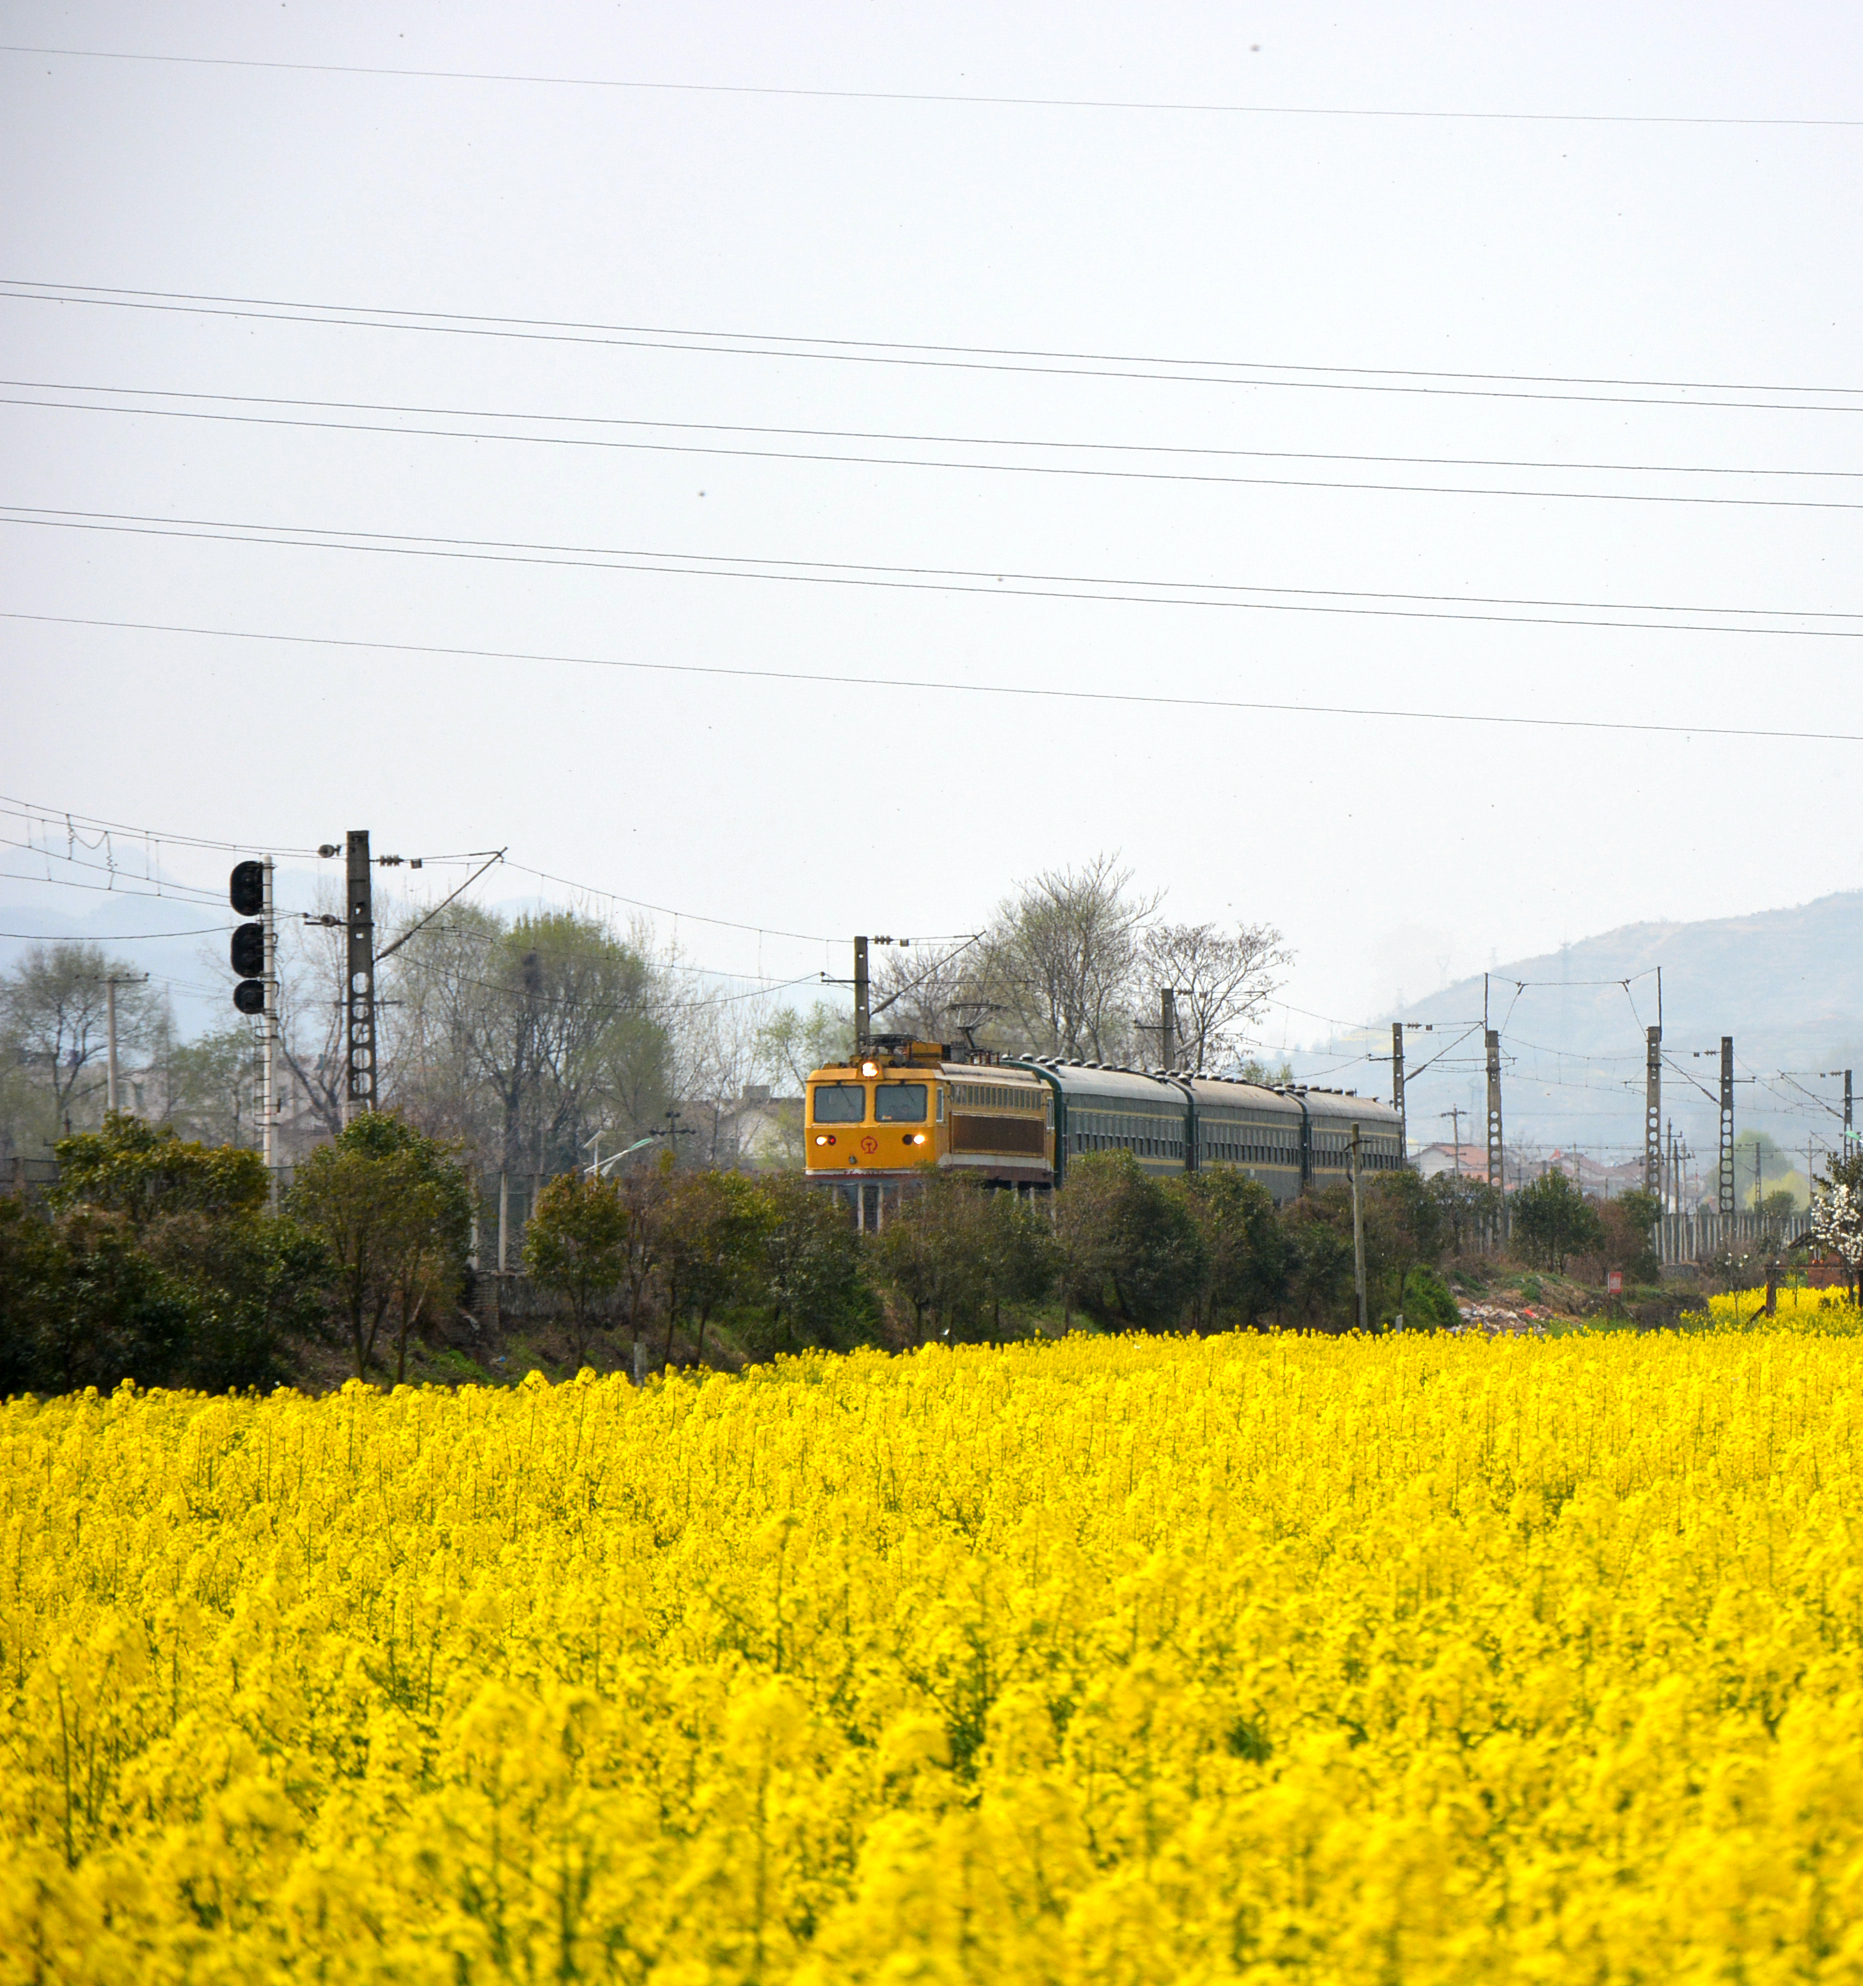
1652,1110
862,997
1725,1200
1397,1090
1167,1028
1497,1154
359,983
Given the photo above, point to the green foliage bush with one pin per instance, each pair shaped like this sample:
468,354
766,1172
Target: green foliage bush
1429,1304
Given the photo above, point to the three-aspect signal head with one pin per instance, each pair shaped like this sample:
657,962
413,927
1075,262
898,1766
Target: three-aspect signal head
246,893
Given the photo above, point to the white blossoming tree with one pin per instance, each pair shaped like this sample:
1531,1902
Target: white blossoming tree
1837,1215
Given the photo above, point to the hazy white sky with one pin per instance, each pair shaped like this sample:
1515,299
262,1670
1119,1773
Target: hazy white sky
1394,854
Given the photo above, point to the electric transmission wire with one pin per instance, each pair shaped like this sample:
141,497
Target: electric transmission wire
1035,691
961,98
960,358
944,579
717,450
110,937
1036,442
661,910
83,824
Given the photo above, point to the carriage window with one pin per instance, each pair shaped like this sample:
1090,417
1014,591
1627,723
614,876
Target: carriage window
840,1103
899,1103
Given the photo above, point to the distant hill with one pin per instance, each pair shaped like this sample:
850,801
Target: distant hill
1786,984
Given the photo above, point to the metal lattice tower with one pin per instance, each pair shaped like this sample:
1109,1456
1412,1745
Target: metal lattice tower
1727,1198
359,986
1497,1165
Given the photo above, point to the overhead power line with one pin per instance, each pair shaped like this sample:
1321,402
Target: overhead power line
954,97
109,937
944,686
1040,443
1119,590
63,818
963,358
717,450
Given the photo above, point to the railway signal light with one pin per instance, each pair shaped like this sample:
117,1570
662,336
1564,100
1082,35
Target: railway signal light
246,893
247,889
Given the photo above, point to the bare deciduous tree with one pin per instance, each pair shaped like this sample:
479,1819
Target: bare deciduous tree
53,1011
1221,983
1062,959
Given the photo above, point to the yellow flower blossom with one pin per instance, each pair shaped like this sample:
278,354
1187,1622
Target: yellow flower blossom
1103,1663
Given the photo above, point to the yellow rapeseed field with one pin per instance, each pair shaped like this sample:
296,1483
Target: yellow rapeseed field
1394,1661
1822,1310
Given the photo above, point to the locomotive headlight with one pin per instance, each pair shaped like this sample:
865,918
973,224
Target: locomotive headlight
918,1137
869,1068
829,1140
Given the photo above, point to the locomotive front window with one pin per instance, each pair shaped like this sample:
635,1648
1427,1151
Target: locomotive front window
899,1103
840,1103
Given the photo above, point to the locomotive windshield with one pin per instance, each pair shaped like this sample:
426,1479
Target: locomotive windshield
899,1103
841,1103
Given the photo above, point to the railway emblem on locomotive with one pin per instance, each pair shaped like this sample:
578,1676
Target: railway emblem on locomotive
870,1145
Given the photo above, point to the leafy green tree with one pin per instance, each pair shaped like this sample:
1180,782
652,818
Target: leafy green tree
1131,1253
932,1253
1245,1253
1466,1210
576,1246
84,1305
1553,1220
392,1207
248,1282
1629,1224
1018,1256
1321,1285
144,1171
1404,1230
814,1290
713,1226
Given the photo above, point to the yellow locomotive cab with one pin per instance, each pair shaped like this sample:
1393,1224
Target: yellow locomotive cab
903,1110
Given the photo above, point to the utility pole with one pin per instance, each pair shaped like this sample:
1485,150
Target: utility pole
1358,1235
359,989
1846,1113
110,1030
1167,1027
111,981
1397,1089
1652,1098
1726,1197
862,996
1455,1113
